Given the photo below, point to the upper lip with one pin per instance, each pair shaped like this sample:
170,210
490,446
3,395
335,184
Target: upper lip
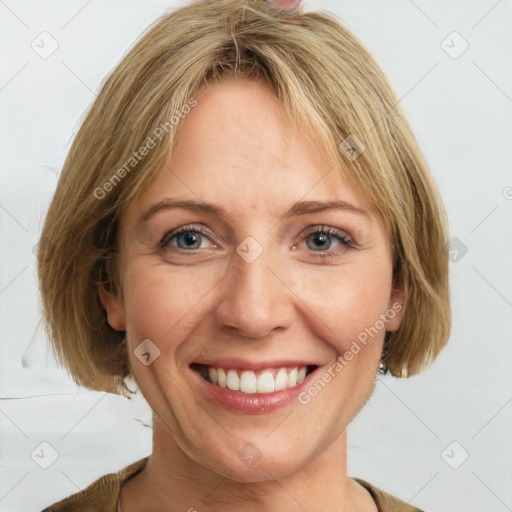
243,364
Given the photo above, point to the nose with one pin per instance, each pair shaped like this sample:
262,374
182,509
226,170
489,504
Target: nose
255,299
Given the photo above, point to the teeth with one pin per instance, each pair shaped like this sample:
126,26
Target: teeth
232,380
292,378
248,382
266,381
281,380
221,378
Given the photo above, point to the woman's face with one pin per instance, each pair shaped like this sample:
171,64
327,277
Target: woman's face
252,290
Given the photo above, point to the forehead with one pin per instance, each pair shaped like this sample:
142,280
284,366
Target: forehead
238,148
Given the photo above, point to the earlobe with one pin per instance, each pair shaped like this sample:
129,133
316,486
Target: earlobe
114,307
396,305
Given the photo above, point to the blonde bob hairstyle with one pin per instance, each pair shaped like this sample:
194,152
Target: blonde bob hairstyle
330,87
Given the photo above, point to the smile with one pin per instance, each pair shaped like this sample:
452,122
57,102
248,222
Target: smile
268,380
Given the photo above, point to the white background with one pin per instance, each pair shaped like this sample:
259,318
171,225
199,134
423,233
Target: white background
460,109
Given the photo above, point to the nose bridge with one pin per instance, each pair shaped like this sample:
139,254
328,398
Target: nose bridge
253,275
254,300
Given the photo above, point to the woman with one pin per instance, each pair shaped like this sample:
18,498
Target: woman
246,225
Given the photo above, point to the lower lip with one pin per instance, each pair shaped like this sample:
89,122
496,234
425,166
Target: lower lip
251,403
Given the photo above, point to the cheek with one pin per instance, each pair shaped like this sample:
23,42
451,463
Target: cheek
152,306
348,303
162,305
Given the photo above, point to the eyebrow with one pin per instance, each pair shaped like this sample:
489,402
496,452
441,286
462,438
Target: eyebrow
297,209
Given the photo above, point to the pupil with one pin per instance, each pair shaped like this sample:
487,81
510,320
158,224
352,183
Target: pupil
322,239
189,239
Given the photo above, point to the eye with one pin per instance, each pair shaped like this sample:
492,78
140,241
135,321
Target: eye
322,238
188,238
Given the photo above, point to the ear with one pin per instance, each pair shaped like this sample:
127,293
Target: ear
114,308
396,304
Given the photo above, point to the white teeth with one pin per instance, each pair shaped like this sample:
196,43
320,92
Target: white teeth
232,380
266,381
292,378
281,380
221,378
248,382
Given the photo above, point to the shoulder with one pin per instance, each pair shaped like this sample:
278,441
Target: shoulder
101,495
386,502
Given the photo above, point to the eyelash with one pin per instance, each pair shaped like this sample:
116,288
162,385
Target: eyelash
344,239
317,230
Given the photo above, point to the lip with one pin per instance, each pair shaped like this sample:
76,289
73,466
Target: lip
251,403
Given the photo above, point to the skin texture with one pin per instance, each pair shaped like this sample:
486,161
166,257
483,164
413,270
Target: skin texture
237,151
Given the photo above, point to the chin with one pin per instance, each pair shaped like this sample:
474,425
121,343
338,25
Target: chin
252,464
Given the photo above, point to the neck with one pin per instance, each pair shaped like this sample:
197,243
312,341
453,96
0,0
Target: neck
172,481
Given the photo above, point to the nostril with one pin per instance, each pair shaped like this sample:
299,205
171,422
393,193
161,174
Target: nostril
247,335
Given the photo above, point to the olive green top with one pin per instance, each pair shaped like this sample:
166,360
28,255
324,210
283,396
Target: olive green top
103,494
